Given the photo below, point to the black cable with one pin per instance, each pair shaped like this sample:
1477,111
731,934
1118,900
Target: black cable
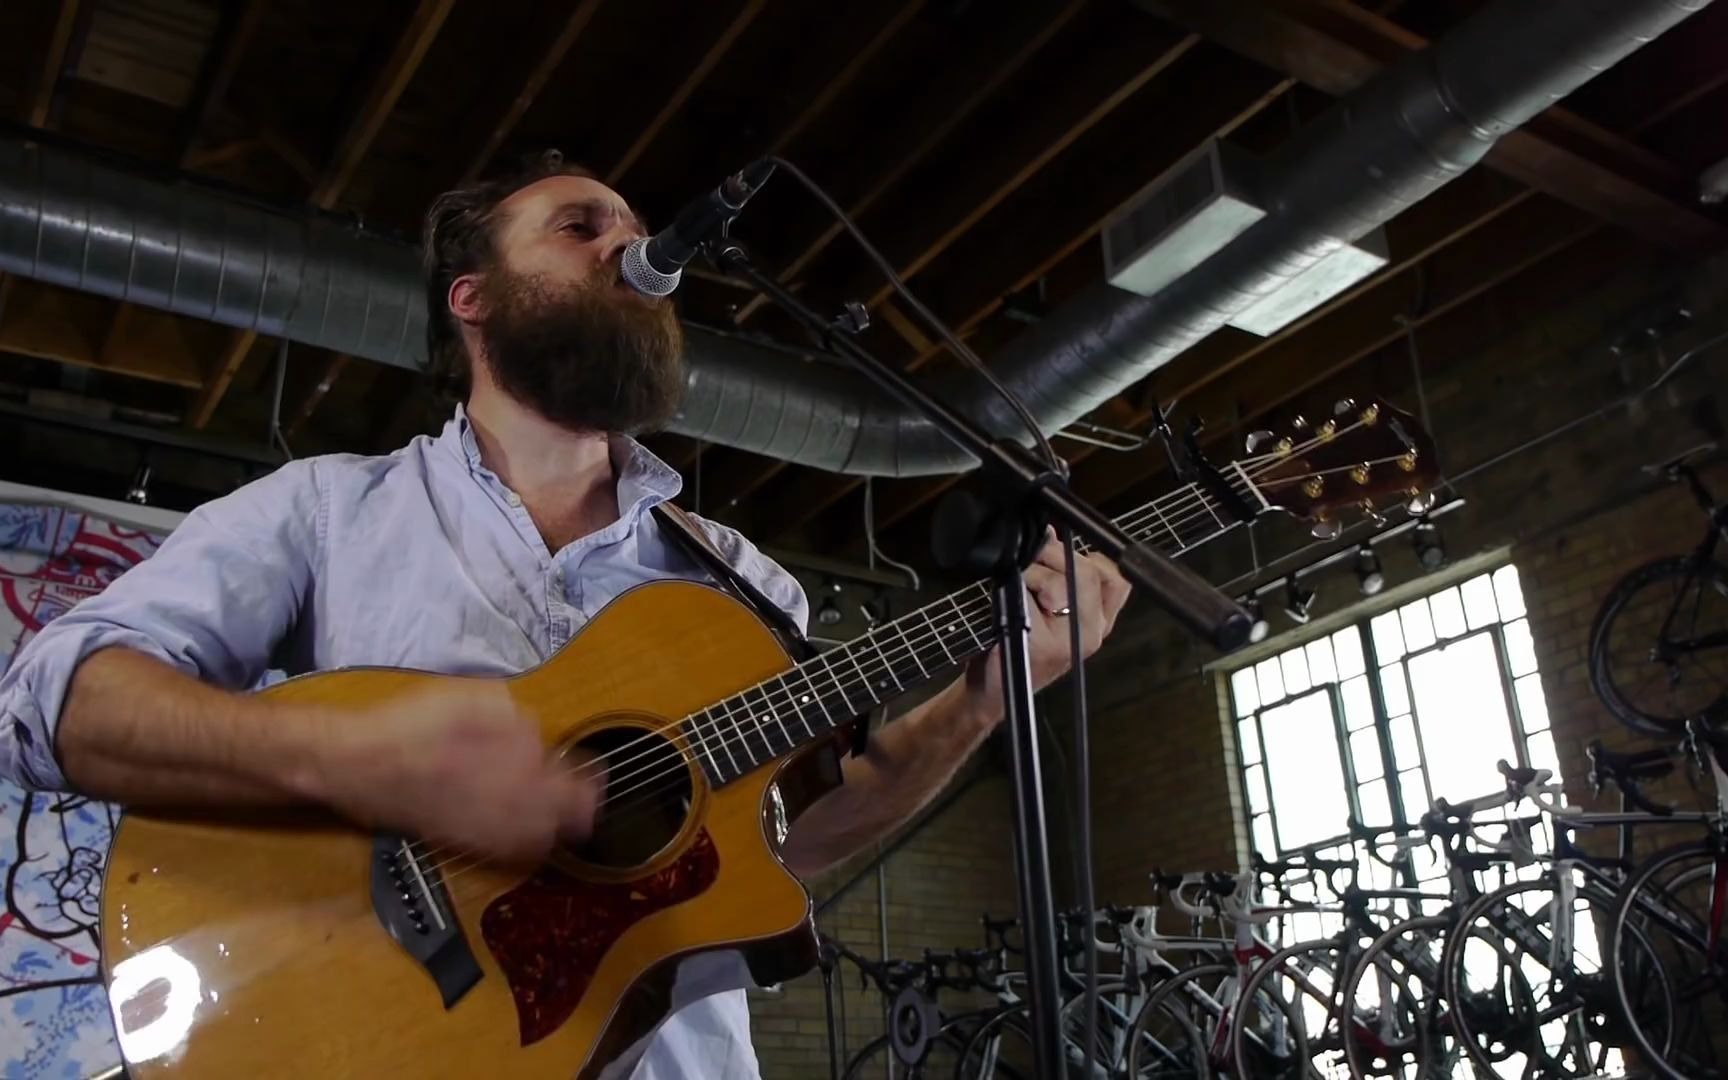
1082,801
948,336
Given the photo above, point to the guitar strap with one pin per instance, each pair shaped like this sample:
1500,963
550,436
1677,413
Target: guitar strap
801,783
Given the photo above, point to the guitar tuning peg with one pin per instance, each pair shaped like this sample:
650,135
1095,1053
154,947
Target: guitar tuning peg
1343,406
1325,528
1372,514
1420,502
1257,439
1300,423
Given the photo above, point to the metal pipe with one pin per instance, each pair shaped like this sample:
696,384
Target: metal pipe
70,219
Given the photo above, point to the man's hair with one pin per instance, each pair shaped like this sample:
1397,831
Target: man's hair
458,238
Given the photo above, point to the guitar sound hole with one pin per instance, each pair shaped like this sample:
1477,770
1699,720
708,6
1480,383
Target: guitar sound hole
647,795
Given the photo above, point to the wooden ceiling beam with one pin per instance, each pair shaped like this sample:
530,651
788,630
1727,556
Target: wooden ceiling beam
398,71
577,21
1227,109
222,371
235,27
698,74
844,78
39,102
1335,46
52,323
332,370
985,87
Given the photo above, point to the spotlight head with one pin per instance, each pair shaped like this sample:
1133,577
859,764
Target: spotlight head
1430,552
829,613
1258,628
1369,577
1298,602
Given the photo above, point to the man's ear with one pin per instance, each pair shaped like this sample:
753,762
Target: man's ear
464,299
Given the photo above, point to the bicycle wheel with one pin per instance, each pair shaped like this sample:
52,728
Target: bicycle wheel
872,1062
1393,1001
1652,660
1303,979
1525,975
1169,1039
1660,931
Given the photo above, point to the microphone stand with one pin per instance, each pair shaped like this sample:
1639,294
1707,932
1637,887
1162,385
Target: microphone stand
1001,540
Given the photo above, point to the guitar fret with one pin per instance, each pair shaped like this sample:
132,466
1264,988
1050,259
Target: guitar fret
852,655
901,630
1171,529
967,621
817,695
1209,505
727,739
1252,486
937,630
693,727
888,676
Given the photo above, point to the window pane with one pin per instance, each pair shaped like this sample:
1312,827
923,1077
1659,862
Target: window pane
1295,671
1263,842
1249,741
1271,680
1320,666
1405,753
1542,755
1392,686
1448,612
1479,608
1508,593
1245,691
1532,704
1358,706
1347,647
1418,631
1254,778
1388,639
1461,708
1520,650
1372,797
1414,793
1307,781
1365,755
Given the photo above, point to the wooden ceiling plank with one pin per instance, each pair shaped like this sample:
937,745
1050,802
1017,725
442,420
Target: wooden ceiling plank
40,101
56,324
1559,153
980,94
698,74
542,72
332,369
113,343
222,372
236,26
834,87
404,61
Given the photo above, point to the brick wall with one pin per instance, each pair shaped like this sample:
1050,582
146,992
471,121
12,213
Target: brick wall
1574,511
952,871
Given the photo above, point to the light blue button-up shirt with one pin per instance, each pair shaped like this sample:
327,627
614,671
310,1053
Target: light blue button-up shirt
421,559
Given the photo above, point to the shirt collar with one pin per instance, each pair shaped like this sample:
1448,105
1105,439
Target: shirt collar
643,479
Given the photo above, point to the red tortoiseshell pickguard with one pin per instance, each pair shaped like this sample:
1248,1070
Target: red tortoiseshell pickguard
550,932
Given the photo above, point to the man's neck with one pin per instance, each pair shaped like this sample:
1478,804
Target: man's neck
564,478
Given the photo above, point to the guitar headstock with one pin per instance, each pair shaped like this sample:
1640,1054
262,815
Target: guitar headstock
1360,454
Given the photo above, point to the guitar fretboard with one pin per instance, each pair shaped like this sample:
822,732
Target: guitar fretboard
779,715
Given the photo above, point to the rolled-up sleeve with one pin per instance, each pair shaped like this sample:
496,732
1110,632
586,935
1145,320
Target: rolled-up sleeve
214,601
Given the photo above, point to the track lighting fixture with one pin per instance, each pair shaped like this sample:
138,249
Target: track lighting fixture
1298,602
1430,552
1369,577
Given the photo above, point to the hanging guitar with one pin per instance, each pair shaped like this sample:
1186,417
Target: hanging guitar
293,944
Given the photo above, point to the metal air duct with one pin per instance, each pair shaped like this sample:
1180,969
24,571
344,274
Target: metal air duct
73,221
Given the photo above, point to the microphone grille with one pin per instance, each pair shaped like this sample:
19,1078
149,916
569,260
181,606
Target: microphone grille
637,273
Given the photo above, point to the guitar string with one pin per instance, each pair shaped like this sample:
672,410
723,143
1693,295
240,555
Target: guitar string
740,735
656,769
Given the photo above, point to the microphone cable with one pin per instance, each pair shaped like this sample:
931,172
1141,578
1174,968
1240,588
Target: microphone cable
1082,797
959,348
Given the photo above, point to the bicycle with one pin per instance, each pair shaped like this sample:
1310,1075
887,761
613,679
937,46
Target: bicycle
1658,654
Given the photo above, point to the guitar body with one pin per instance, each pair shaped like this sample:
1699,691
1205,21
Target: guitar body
256,947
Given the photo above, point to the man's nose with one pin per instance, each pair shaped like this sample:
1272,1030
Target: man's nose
614,241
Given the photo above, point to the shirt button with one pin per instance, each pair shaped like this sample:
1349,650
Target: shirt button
512,498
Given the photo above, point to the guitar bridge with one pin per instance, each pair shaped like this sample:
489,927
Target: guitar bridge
413,906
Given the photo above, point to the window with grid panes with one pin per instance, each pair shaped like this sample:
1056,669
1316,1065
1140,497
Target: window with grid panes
1378,719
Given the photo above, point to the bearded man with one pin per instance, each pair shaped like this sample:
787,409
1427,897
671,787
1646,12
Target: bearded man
480,551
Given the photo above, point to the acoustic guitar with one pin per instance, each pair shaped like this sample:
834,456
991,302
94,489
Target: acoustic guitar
292,944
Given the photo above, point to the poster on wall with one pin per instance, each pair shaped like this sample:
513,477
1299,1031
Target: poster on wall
54,1019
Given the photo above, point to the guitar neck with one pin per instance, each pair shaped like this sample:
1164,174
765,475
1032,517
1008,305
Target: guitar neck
781,715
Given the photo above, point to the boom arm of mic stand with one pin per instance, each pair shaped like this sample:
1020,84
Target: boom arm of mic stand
1200,607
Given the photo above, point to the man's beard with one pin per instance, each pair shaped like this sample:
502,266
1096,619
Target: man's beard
580,356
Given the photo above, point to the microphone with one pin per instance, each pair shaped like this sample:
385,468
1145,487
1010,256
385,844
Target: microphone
654,264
